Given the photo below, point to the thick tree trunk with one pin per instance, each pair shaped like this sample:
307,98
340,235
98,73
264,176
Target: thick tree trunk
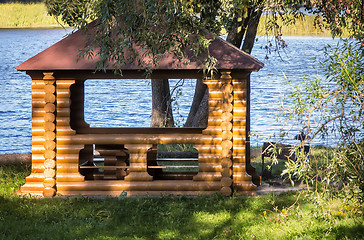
162,115
198,115
200,91
251,32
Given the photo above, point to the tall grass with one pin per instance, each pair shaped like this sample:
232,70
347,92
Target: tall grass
32,15
304,26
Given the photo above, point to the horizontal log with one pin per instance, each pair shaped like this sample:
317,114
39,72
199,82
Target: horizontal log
49,173
49,163
226,181
49,98
49,126
64,84
38,112
38,149
215,113
239,141
240,158
63,112
138,176
63,102
241,177
226,126
49,182
214,121
49,88
227,88
226,153
226,172
38,158
38,93
67,158
134,193
226,163
226,144
68,149
38,103
239,103
63,121
156,185
184,132
239,94
35,177
207,176
244,187
164,167
36,84
215,94
105,167
226,135
226,191
49,154
228,97
135,139
63,93
49,117
32,187
49,108
239,132
212,131
49,192
69,177
49,136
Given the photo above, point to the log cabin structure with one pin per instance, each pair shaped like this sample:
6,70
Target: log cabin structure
64,145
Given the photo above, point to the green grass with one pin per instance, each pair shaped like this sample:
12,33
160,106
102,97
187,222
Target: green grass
206,217
18,15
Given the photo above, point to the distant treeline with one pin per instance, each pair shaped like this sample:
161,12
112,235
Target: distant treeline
21,1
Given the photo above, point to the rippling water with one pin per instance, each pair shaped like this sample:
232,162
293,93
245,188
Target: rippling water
132,103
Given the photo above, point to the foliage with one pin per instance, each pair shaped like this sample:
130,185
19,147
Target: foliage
334,108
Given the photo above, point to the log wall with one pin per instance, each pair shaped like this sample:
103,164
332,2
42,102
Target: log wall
58,149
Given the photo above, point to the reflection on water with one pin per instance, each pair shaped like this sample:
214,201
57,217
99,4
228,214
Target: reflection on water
134,107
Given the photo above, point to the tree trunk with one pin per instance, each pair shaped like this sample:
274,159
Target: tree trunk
198,115
200,91
251,32
162,115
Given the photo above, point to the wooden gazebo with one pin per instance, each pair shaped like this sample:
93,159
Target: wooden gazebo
63,144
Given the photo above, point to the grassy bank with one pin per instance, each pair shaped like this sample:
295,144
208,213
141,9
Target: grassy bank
18,15
34,15
289,216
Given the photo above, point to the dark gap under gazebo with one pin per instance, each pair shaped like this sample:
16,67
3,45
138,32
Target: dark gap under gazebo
63,143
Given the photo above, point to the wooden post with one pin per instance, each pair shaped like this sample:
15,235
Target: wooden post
138,162
49,135
242,181
209,152
226,128
67,153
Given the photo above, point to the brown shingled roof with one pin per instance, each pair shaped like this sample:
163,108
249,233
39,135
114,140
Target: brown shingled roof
63,55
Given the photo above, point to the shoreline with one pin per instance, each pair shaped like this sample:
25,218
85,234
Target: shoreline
15,158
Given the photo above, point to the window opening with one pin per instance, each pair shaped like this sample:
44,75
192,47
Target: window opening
173,161
104,162
125,103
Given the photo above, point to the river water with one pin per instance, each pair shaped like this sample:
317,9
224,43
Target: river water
131,106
